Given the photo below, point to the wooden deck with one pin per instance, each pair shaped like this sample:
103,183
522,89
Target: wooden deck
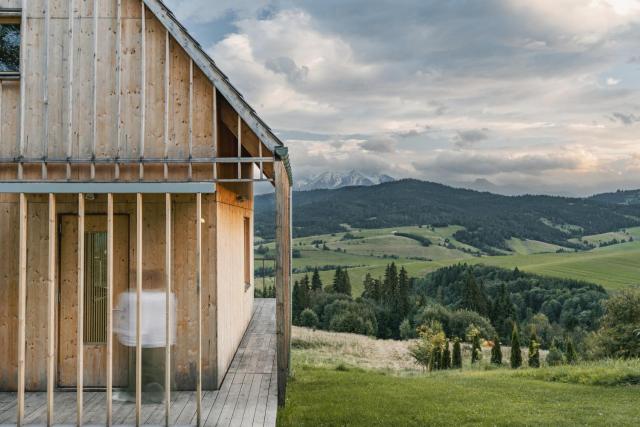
248,396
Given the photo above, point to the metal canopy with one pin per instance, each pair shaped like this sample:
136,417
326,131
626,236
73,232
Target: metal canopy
107,187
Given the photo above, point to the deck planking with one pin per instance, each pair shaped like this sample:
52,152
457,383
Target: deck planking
247,396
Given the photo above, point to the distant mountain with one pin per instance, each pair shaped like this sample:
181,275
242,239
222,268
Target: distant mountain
333,180
489,219
620,197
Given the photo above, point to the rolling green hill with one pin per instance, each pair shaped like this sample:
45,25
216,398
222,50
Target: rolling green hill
487,221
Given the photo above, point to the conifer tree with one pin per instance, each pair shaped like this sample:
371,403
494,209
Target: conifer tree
534,351
516,351
476,349
474,296
436,358
496,352
346,282
403,293
316,282
572,356
446,356
297,302
456,360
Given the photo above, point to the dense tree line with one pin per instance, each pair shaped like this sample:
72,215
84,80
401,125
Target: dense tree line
550,307
489,219
491,302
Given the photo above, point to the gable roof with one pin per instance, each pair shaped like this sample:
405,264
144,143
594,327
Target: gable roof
219,80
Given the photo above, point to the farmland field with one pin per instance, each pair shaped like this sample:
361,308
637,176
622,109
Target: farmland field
369,251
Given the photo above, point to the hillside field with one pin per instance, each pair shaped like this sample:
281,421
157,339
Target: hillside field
370,250
334,374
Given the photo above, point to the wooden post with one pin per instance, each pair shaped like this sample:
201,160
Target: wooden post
199,308
167,274
80,320
51,312
282,279
138,308
22,306
109,309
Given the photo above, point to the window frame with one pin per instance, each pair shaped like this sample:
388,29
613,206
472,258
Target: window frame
14,17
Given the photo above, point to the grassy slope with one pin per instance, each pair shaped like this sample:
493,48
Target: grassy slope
326,389
321,396
614,267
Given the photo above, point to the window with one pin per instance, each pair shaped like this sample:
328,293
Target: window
9,48
95,288
247,252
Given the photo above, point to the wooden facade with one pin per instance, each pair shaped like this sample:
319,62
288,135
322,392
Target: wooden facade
120,125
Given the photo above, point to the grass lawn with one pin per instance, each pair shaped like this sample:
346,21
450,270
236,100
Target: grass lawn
336,397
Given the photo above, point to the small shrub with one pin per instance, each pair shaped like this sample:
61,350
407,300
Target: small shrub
309,318
555,356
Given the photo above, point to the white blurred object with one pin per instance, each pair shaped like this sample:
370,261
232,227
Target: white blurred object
153,325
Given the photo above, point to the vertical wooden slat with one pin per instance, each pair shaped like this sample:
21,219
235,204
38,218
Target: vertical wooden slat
199,302
23,79
167,275
109,308
22,306
167,61
70,92
51,313
80,327
190,117
138,308
118,85
215,131
143,85
239,146
94,88
45,94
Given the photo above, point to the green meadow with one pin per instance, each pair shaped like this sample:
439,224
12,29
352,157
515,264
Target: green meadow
370,250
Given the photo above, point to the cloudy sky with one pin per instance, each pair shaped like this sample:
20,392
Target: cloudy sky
539,96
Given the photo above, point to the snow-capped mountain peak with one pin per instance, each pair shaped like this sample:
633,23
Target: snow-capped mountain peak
332,180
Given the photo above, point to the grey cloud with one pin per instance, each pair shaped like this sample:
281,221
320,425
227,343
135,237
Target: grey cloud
463,163
288,67
634,60
379,146
468,138
626,119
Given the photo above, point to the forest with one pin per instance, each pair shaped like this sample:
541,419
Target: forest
489,219
491,301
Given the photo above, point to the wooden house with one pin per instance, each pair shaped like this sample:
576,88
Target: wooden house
127,163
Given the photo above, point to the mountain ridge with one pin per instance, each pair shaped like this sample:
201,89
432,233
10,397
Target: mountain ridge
334,180
489,219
